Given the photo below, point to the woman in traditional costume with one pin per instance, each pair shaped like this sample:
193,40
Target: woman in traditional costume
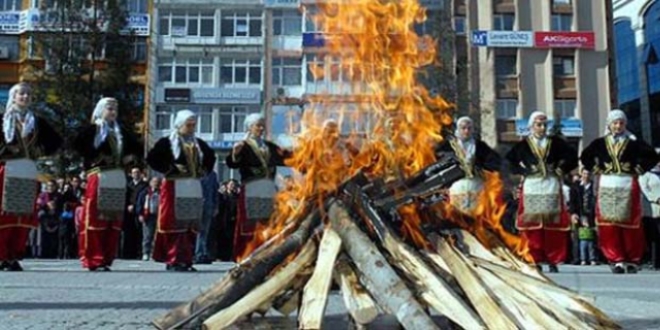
184,159
25,137
543,219
618,158
257,160
475,157
108,150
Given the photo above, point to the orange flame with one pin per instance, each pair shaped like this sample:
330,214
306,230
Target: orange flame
394,122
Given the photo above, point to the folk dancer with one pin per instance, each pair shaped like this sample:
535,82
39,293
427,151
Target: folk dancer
543,218
475,157
25,137
184,159
108,150
257,160
618,158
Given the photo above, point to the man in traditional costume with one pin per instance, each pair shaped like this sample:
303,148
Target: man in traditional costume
618,158
108,150
257,160
543,219
184,159
25,137
475,157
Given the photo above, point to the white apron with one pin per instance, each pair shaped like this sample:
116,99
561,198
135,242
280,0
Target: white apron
19,186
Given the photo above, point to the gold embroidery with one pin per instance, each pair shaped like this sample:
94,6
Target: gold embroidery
615,150
462,158
192,158
541,155
263,154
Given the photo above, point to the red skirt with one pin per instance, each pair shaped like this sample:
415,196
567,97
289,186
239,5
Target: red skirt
174,241
98,240
244,231
14,229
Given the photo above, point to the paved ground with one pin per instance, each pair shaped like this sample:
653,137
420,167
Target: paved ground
54,294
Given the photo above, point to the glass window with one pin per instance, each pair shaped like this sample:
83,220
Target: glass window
241,24
287,71
10,5
205,120
506,108
164,73
315,68
136,6
207,27
459,25
310,20
287,22
503,22
163,117
164,26
506,65
563,66
186,71
193,24
565,108
241,72
139,51
562,22
561,2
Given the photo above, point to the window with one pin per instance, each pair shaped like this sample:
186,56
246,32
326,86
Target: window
506,108
430,25
191,24
563,66
459,25
315,68
137,6
241,24
186,71
506,65
565,108
139,50
240,72
562,22
287,22
503,22
561,2
233,117
10,5
287,71
165,117
205,120
311,23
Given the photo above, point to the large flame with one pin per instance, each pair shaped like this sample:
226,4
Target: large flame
394,122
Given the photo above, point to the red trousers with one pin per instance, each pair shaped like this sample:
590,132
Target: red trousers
174,242
13,241
98,240
620,244
549,246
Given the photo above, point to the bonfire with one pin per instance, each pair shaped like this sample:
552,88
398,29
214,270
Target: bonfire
369,214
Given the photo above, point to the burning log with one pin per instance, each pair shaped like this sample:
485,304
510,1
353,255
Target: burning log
315,295
240,281
360,305
264,292
379,277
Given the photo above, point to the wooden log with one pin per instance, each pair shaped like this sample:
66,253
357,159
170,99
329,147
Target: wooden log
526,310
264,292
379,277
360,305
550,294
240,280
434,289
486,306
315,294
288,301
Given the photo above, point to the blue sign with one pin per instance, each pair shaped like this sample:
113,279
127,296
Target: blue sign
313,40
570,127
221,144
10,22
138,24
480,38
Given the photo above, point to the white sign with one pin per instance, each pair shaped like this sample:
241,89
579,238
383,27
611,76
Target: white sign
282,3
10,22
138,24
515,39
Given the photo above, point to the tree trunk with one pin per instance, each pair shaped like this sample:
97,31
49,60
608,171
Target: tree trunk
380,279
264,292
315,294
239,281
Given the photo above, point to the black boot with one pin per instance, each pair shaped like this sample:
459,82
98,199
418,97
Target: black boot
4,265
14,266
553,269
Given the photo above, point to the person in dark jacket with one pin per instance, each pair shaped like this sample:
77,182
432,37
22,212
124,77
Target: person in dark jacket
146,208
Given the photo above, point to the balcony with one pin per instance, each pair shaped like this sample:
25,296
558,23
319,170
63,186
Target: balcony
564,88
287,43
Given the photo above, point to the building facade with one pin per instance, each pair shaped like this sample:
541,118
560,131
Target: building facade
529,55
637,47
19,18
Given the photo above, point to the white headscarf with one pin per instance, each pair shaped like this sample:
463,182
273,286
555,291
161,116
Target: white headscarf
617,114
175,138
13,113
252,119
468,145
534,116
104,127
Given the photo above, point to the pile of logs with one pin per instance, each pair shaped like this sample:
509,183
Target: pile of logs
379,271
